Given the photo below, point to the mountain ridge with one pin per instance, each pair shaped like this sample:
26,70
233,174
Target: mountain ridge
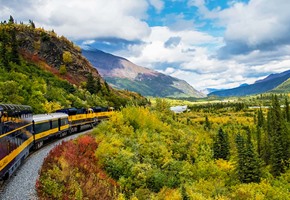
267,84
41,69
123,74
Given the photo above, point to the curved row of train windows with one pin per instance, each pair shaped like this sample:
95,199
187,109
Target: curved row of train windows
45,126
12,141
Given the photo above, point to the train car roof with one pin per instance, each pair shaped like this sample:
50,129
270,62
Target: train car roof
49,116
15,109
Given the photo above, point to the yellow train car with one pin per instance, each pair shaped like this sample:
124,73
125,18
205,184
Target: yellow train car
16,137
46,126
79,118
20,131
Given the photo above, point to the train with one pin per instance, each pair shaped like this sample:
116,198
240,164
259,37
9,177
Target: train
21,132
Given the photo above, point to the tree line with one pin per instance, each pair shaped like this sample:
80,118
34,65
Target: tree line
272,141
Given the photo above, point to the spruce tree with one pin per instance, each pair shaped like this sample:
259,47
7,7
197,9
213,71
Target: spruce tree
3,50
287,114
91,84
279,136
107,87
259,145
98,84
266,150
248,162
32,25
241,168
221,146
260,121
11,20
206,124
14,47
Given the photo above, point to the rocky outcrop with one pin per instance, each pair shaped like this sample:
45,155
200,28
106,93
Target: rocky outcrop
44,46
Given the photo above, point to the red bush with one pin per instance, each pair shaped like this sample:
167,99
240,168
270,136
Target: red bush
81,166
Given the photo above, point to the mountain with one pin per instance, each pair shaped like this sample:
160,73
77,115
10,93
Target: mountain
48,72
209,90
273,76
123,74
283,88
273,82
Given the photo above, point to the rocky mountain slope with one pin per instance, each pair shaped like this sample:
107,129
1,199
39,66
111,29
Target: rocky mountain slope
41,69
123,74
267,84
46,48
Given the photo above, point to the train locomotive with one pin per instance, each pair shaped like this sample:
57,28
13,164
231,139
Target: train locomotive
22,132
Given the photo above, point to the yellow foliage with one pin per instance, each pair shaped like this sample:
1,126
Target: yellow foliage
169,194
224,165
221,197
121,197
52,106
66,57
62,69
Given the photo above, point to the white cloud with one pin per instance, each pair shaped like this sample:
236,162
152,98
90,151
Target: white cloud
256,40
154,49
83,19
258,22
157,4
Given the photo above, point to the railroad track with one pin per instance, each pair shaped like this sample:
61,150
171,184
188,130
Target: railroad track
21,185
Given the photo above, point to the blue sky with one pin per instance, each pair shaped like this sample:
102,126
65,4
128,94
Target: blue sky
208,43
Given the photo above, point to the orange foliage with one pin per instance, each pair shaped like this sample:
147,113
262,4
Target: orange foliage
73,167
38,61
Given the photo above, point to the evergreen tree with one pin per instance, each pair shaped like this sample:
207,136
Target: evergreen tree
107,87
260,121
287,114
207,123
11,20
3,50
31,23
91,84
98,84
248,162
267,140
14,47
259,141
279,138
241,168
221,145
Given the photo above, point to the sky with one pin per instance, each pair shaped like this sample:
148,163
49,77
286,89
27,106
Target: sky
208,43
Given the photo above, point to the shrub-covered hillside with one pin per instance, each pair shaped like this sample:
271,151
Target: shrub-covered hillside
212,152
48,72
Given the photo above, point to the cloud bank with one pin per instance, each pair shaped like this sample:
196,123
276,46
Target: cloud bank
208,45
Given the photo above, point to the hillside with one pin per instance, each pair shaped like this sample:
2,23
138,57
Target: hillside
261,86
123,74
48,72
283,88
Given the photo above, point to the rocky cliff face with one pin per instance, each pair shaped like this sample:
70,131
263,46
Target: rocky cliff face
47,49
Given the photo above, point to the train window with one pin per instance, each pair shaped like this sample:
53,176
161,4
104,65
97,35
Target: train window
55,124
2,148
41,127
28,129
64,121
